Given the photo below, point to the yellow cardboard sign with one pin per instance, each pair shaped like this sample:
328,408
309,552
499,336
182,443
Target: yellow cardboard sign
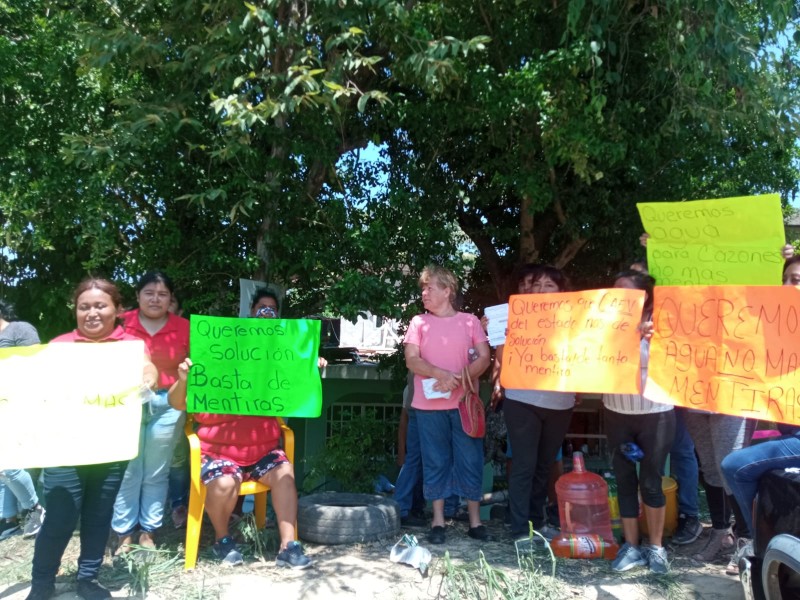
731,349
574,342
70,404
731,241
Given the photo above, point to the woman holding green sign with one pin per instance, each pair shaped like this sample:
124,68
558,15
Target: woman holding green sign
85,491
141,499
240,448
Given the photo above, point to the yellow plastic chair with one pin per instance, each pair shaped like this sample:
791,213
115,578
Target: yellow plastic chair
197,491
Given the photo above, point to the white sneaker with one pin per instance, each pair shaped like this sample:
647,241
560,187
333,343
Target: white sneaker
657,560
33,521
628,557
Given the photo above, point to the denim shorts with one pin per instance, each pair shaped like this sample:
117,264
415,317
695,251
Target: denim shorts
452,462
214,468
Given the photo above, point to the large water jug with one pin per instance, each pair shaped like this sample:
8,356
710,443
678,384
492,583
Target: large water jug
583,502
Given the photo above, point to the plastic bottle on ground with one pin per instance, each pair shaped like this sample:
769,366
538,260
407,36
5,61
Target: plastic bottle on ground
583,502
583,546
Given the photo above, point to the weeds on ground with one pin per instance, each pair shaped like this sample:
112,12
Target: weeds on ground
524,557
668,585
146,567
479,580
259,543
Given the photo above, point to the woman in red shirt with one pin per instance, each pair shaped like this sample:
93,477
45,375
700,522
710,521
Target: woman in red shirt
85,491
142,496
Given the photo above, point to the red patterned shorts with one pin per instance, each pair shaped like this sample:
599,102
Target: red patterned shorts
213,468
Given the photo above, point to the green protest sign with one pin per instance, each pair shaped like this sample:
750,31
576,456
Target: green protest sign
264,367
730,241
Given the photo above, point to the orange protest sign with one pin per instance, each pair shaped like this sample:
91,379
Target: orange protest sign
728,349
574,342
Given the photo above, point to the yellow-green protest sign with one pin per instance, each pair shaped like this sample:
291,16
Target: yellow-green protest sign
70,404
254,366
731,241
574,342
727,349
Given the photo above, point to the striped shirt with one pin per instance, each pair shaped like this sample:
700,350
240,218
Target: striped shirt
636,404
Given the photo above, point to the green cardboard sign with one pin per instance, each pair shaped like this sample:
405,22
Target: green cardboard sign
730,241
265,367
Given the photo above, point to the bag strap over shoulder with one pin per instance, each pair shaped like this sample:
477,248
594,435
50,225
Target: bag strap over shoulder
466,380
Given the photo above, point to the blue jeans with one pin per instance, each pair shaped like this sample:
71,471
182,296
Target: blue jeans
179,475
743,468
88,492
683,467
408,489
143,493
452,461
16,492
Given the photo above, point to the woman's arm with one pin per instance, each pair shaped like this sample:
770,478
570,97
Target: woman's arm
149,374
446,380
177,393
497,389
481,363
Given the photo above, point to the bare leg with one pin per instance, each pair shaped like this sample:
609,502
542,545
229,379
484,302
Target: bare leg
474,509
655,523
284,499
221,495
438,513
630,529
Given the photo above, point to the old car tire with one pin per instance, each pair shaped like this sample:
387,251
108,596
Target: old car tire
345,518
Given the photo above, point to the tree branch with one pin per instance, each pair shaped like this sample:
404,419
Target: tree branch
472,226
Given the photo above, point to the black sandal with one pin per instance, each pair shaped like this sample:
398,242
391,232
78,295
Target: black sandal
479,533
436,535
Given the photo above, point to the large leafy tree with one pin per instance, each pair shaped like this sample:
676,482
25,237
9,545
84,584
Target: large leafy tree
222,139
580,109
267,106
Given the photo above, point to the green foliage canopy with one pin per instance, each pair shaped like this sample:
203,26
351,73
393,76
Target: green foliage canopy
221,139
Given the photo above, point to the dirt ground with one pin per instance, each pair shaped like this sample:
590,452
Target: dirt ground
365,572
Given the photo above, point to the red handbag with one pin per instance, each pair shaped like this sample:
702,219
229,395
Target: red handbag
470,408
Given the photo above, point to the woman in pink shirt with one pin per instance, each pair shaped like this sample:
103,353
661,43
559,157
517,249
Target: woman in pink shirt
438,345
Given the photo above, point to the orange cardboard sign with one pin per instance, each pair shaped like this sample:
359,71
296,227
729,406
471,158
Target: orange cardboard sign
574,342
728,349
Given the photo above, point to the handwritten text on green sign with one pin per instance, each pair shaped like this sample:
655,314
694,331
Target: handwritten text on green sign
730,241
262,367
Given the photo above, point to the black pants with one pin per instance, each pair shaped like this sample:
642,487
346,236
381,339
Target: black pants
654,434
536,434
88,492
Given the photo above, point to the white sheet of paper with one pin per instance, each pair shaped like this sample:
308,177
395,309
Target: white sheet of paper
498,322
430,393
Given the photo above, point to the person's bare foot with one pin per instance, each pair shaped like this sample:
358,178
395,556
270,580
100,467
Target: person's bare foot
124,544
146,540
